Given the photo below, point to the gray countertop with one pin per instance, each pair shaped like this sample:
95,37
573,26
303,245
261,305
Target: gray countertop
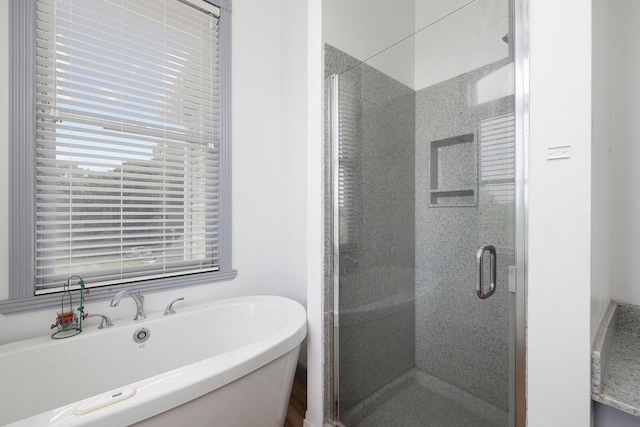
615,359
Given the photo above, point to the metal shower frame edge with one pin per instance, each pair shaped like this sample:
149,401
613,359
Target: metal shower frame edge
334,112
521,64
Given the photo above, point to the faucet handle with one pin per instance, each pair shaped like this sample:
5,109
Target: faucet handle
105,321
169,310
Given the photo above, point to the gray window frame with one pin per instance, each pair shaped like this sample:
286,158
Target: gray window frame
22,140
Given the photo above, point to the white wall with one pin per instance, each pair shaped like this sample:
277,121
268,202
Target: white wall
445,48
559,229
315,219
295,148
600,163
459,43
267,171
625,192
429,11
362,28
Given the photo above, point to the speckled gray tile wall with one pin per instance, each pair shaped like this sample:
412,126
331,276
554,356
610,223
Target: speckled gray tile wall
460,338
377,268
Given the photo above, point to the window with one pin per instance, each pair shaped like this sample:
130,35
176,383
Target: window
123,175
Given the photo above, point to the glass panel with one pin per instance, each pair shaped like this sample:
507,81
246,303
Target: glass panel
426,176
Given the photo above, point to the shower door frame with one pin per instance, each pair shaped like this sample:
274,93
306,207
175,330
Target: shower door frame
334,113
521,53
520,31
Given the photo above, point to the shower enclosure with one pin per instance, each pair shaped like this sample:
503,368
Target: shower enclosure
424,226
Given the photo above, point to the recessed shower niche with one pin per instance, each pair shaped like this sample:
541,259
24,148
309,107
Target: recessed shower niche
453,176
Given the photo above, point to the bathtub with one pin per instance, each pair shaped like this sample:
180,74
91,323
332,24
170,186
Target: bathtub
225,363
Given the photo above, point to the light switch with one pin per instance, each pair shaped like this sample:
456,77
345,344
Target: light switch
555,153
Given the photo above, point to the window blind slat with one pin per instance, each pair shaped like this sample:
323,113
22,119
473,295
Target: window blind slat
127,130
173,81
133,93
349,171
168,177
114,249
116,110
129,71
126,58
147,109
75,164
496,137
105,241
174,15
157,182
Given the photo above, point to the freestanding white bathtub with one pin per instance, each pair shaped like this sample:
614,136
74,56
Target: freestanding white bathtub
227,363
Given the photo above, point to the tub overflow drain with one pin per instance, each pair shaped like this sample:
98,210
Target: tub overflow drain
141,335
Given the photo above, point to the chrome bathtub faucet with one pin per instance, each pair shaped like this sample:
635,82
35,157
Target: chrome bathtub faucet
169,310
137,297
105,322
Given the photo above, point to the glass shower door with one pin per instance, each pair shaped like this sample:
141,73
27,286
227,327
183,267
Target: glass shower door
424,225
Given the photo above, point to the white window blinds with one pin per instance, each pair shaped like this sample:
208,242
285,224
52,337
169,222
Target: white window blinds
349,174
497,140
128,123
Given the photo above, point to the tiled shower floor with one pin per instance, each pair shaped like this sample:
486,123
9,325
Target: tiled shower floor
410,401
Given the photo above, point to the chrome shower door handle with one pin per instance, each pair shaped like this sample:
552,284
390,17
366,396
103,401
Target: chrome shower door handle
480,271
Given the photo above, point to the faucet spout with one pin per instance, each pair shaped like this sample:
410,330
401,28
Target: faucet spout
137,297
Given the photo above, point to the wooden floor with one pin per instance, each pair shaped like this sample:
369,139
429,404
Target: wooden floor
297,403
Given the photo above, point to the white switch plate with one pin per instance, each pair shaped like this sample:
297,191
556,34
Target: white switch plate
555,153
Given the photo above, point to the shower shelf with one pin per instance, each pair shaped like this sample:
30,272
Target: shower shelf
436,194
453,172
